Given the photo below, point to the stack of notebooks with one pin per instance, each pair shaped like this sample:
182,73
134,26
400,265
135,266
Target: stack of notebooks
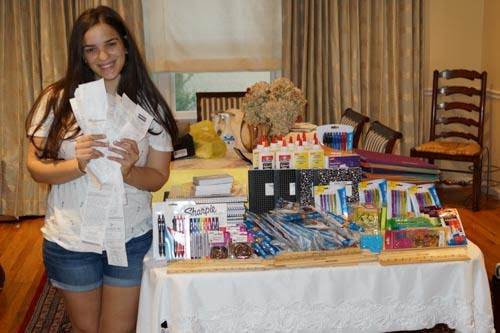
214,189
212,185
397,168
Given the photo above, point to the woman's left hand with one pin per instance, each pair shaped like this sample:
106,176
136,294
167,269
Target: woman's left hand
129,152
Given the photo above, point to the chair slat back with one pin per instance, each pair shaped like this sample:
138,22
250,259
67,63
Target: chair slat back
462,114
210,103
357,121
380,138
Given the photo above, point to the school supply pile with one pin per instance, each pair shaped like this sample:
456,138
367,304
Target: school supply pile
297,228
205,228
295,153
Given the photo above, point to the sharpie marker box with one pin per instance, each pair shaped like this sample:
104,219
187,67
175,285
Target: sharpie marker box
175,222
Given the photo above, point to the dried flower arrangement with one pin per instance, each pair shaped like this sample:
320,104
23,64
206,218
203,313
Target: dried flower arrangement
274,105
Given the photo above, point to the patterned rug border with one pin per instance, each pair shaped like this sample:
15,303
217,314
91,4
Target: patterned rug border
34,302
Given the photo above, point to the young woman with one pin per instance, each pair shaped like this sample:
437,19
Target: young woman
98,296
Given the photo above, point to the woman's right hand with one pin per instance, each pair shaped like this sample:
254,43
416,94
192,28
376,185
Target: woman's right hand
85,149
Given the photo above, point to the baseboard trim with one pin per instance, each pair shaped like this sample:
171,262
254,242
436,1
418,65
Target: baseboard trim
495,94
494,192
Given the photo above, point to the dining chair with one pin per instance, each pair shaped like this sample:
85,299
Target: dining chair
210,103
357,121
380,138
457,119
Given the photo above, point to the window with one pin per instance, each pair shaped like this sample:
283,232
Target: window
188,53
179,89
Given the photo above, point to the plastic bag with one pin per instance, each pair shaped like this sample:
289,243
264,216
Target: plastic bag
207,143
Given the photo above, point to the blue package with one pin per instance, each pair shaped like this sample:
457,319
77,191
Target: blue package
350,138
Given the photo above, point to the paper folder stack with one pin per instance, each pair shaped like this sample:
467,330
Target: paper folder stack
397,168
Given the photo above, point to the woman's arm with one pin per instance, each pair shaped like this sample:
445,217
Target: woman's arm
51,171
153,175
62,171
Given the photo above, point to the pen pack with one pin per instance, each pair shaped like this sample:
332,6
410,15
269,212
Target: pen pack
373,192
331,198
398,199
424,196
336,136
185,230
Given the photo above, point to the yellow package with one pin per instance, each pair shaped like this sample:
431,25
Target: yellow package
207,144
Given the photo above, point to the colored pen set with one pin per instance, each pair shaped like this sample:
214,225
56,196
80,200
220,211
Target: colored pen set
398,203
328,202
204,230
423,199
336,136
332,198
185,230
172,239
372,196
336,140
181,238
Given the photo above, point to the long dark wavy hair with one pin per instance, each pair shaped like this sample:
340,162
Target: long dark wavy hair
134,81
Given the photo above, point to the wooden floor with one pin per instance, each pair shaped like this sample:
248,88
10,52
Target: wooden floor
20,253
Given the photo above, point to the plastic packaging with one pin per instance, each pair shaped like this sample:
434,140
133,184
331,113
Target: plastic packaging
398,199
373,192
207,143
424,196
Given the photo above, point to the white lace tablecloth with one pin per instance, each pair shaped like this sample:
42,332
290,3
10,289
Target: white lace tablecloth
363,298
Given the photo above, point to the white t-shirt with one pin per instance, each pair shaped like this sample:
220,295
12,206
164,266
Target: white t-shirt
63,218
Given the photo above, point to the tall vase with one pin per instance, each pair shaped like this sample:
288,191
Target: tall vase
260,132
251,134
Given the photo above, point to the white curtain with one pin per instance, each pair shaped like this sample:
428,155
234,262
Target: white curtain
212,35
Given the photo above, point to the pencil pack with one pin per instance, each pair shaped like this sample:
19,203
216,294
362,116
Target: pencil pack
331,198
373,192
398,199
424,197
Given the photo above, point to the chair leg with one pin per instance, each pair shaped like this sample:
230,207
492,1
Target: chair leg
488,173
476,184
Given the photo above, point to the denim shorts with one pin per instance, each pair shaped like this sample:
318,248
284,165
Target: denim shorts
85,271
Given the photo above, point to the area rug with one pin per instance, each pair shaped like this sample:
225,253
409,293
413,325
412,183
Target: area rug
46,312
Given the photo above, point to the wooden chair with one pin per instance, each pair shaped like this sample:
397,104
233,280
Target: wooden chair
380,138
460,118
210,103
2,277
356,120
